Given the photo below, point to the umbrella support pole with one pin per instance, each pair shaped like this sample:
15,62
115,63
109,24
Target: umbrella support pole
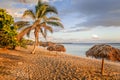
102,67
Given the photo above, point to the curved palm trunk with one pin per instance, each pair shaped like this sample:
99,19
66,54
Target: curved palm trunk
35,46
21,34
102,67
36,32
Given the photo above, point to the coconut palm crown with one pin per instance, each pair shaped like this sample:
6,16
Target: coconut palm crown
41,21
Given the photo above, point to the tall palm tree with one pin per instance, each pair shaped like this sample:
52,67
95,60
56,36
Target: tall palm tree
41,21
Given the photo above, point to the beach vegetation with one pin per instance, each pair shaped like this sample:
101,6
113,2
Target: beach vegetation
7,30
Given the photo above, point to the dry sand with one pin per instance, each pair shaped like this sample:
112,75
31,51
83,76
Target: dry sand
20,64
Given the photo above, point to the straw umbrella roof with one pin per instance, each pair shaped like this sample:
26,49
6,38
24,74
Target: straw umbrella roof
60,48
104,51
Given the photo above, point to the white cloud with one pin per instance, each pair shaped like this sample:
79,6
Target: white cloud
94,36
35,1
14,8
51,0
16,12
11,9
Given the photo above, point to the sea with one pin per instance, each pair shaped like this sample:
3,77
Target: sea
79,49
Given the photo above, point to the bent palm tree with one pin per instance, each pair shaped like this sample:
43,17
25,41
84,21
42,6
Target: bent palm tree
41,21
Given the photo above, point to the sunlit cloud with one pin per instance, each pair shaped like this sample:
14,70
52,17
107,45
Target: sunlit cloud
35,1
16,12
81,18
75,29
95,36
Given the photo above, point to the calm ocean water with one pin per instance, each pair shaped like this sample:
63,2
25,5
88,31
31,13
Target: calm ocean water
79,49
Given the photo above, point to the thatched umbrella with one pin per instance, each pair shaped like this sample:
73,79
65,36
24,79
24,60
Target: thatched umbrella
43,44
60,48
50,44
104,51
51,48
46,44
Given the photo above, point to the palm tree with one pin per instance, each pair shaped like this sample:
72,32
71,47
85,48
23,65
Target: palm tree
41,21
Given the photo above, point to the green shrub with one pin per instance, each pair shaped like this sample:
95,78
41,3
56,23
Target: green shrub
22,43
8,32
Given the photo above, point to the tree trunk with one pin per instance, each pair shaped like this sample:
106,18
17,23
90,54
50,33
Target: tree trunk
34,49
13,47
36,32
102,67
35,46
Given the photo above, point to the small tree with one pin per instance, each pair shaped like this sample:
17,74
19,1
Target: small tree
8,32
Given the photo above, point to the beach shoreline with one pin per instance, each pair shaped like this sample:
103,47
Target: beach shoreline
21,64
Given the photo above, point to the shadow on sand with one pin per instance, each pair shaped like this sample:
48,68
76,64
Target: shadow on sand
9,56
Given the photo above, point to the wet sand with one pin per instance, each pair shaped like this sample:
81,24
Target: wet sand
20,64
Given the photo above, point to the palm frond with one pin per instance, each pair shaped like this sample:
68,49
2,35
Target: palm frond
54,18
45,18
44,28
48,28
39,4
29,13
23,32
21,24
53,23
28,33
41,11
51,9
44,8
42,32
43,25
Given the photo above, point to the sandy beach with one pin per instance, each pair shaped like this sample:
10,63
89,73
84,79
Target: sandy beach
20,64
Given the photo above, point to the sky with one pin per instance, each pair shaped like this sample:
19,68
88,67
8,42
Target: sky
83,20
